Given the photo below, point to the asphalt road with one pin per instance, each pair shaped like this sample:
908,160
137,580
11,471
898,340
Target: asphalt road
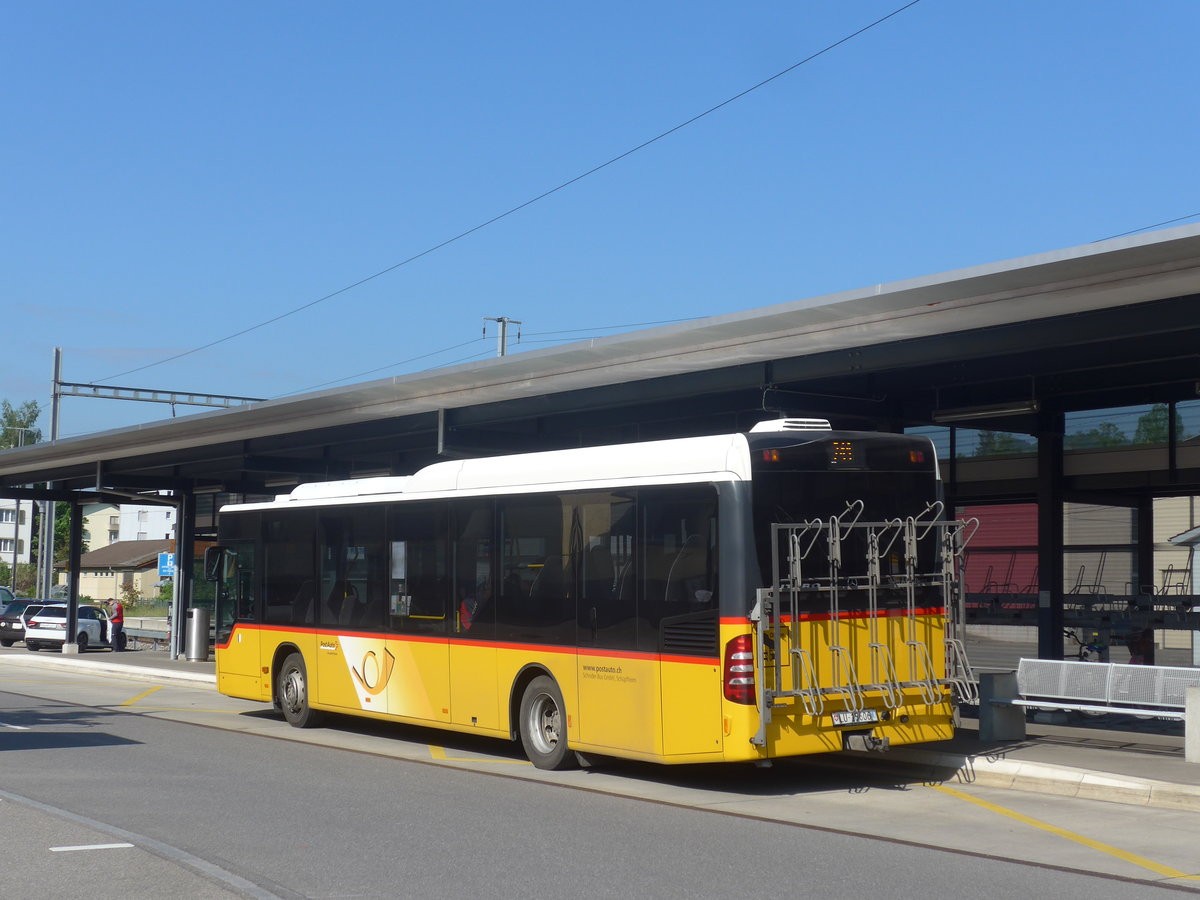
218,799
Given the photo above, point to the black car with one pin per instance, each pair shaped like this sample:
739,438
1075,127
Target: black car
12,624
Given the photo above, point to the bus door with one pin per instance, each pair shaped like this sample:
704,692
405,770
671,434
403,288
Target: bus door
354,665
474,696
231,567
678,613
618,687
417,656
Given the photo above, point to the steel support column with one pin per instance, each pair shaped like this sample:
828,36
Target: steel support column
1145,578
74,552
1050,537
185,544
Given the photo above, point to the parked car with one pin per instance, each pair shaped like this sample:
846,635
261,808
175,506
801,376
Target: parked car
12,620
48,627
6,597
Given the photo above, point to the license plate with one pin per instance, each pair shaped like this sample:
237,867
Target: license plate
855,717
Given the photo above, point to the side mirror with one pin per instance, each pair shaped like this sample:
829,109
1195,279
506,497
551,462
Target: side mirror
214,562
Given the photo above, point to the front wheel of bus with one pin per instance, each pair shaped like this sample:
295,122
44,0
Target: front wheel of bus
291,692
544,725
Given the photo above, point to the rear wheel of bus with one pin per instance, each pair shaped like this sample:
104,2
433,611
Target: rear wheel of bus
543,725
291,693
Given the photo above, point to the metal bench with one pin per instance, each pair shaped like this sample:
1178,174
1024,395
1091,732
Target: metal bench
1167,692
138,638
1158,691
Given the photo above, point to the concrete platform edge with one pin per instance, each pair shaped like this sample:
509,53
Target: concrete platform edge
992,770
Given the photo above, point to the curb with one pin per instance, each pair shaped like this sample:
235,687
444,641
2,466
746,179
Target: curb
133,673
1046,778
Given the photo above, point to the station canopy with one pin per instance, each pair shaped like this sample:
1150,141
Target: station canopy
1012,345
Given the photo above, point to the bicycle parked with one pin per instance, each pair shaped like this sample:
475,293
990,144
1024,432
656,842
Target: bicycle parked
1086,651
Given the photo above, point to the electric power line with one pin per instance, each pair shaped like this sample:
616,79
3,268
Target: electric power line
551,340
530,202
613,327
1147,227
394,365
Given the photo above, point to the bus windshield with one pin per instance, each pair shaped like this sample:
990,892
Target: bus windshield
818,478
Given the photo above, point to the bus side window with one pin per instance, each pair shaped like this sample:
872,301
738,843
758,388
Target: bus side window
474,577
608,590
418,582
352,569
288,544
679,557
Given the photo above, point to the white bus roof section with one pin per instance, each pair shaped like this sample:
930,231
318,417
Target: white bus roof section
679,461
1119,272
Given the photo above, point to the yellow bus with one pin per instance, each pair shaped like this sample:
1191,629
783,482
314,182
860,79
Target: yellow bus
740,597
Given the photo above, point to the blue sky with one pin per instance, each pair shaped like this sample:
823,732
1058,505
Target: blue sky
177,173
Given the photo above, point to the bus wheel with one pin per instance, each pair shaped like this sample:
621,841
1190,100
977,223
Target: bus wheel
544,725
291,693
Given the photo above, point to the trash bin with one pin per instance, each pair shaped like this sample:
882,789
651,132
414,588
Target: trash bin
197,634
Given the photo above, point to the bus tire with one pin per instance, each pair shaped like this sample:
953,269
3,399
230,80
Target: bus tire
543,725
291,693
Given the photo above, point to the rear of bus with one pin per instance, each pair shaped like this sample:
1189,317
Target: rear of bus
838,638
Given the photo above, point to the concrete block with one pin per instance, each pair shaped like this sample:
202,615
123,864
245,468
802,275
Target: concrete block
999,722
1191,725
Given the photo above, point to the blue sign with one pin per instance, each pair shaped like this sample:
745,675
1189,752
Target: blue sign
166,565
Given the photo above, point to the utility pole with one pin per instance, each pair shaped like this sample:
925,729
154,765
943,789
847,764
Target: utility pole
45,580
502,341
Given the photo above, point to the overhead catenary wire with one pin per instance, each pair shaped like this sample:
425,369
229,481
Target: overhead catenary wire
548,340
1148,227
521,206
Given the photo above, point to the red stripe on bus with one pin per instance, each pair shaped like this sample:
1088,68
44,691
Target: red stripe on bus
847,614
467,642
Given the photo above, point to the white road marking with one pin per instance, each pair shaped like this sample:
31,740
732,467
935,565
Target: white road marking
89,847
15,727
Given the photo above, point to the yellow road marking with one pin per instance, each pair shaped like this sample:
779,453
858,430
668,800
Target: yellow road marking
188,709
1108,849
440,753
145,693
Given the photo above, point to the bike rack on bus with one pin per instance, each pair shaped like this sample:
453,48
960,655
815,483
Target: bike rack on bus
955,538
777,614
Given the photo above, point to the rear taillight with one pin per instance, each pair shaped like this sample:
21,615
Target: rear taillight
739,670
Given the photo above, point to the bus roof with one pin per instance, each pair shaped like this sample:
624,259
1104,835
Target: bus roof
677,461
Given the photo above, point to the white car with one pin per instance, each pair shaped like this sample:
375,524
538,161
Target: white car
48,628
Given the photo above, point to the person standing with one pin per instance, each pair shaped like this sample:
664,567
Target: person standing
116,625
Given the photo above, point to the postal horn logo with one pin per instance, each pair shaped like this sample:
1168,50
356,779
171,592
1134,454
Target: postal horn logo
373,674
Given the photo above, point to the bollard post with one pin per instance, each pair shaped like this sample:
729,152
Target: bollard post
999,722
1191,725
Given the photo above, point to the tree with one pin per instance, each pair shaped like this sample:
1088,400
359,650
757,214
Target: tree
1106,434
62,532
18,424
994,443
1152,426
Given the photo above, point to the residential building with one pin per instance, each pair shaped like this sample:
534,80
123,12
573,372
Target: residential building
16,530
107,523
105,573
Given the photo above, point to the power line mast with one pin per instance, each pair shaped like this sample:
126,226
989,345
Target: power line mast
60,389
502,339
